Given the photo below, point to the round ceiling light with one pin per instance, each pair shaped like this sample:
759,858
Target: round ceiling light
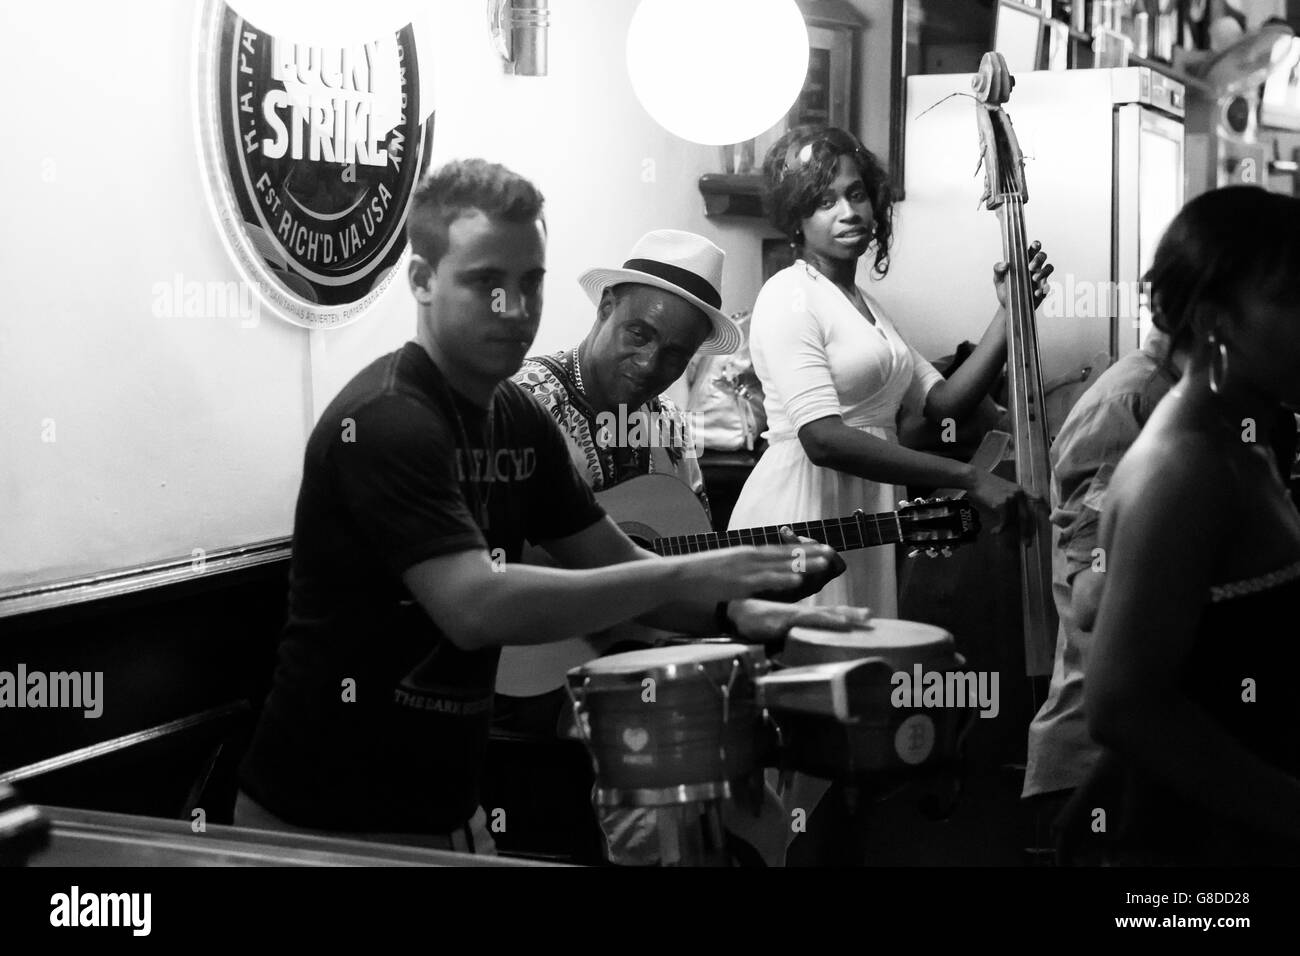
717,71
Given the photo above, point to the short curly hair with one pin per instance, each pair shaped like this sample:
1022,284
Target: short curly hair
460,185
802,164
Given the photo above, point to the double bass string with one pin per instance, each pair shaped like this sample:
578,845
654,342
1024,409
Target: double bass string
1032,434
1034,400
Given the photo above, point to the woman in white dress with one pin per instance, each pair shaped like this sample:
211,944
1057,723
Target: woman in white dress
835,370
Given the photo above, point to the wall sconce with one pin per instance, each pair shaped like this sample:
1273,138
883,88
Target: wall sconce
518,29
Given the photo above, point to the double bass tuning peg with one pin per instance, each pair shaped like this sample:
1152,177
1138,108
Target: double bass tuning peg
993,82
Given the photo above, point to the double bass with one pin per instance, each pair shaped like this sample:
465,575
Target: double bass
1006,194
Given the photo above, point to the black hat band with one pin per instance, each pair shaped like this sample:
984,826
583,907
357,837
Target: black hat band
682,278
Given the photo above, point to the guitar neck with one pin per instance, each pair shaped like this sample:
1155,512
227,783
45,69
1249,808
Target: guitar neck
842,534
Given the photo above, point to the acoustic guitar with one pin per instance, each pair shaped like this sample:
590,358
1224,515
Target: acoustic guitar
661,514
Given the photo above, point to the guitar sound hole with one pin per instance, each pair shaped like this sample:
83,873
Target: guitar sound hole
642,535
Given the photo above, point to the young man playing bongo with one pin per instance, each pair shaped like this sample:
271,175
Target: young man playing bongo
420,483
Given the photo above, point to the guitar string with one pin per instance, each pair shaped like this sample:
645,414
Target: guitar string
877,528
770,534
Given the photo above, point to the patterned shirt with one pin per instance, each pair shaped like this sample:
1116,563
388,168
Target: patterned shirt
605,460
609,449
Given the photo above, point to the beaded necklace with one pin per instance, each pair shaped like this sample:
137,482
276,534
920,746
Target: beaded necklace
609,456
577,372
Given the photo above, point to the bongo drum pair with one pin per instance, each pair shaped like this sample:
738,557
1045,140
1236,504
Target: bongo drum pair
687,723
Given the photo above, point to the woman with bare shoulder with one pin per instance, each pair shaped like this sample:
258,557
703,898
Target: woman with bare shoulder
1195,644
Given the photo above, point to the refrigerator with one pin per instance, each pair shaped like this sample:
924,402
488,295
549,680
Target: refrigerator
1104,162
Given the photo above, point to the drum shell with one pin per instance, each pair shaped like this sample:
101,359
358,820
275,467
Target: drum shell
884,739
899,741
687,736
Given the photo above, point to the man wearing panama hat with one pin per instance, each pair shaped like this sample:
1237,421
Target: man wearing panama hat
688,266
653,314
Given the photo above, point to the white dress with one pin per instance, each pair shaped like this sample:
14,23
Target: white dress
818,356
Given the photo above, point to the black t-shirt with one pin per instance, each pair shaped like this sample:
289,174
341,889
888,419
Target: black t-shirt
375,720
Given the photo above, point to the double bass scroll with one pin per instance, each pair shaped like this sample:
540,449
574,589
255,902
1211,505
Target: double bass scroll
1006,194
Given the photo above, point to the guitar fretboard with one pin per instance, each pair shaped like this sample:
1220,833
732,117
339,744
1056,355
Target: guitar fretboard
842,534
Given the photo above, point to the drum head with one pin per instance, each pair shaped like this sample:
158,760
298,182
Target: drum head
668,661
900,643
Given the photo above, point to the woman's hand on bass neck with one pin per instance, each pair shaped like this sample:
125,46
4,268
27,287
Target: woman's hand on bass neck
1039,271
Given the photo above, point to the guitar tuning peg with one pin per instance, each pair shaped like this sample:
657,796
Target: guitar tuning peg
931,553
946,552
903,503
918,501
914,552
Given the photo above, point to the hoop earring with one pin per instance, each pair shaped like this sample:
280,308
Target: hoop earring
1218,365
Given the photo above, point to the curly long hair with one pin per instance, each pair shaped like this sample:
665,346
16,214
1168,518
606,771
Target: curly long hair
803,163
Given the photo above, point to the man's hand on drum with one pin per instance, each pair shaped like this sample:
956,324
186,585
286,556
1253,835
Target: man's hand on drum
813,581
769,569
768,622
735,572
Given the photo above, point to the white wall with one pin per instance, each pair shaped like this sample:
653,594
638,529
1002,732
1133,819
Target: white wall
172,434
608,171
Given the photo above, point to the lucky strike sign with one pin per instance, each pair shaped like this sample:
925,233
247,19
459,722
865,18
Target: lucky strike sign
311,155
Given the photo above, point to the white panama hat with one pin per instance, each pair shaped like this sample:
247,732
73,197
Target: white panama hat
687,265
